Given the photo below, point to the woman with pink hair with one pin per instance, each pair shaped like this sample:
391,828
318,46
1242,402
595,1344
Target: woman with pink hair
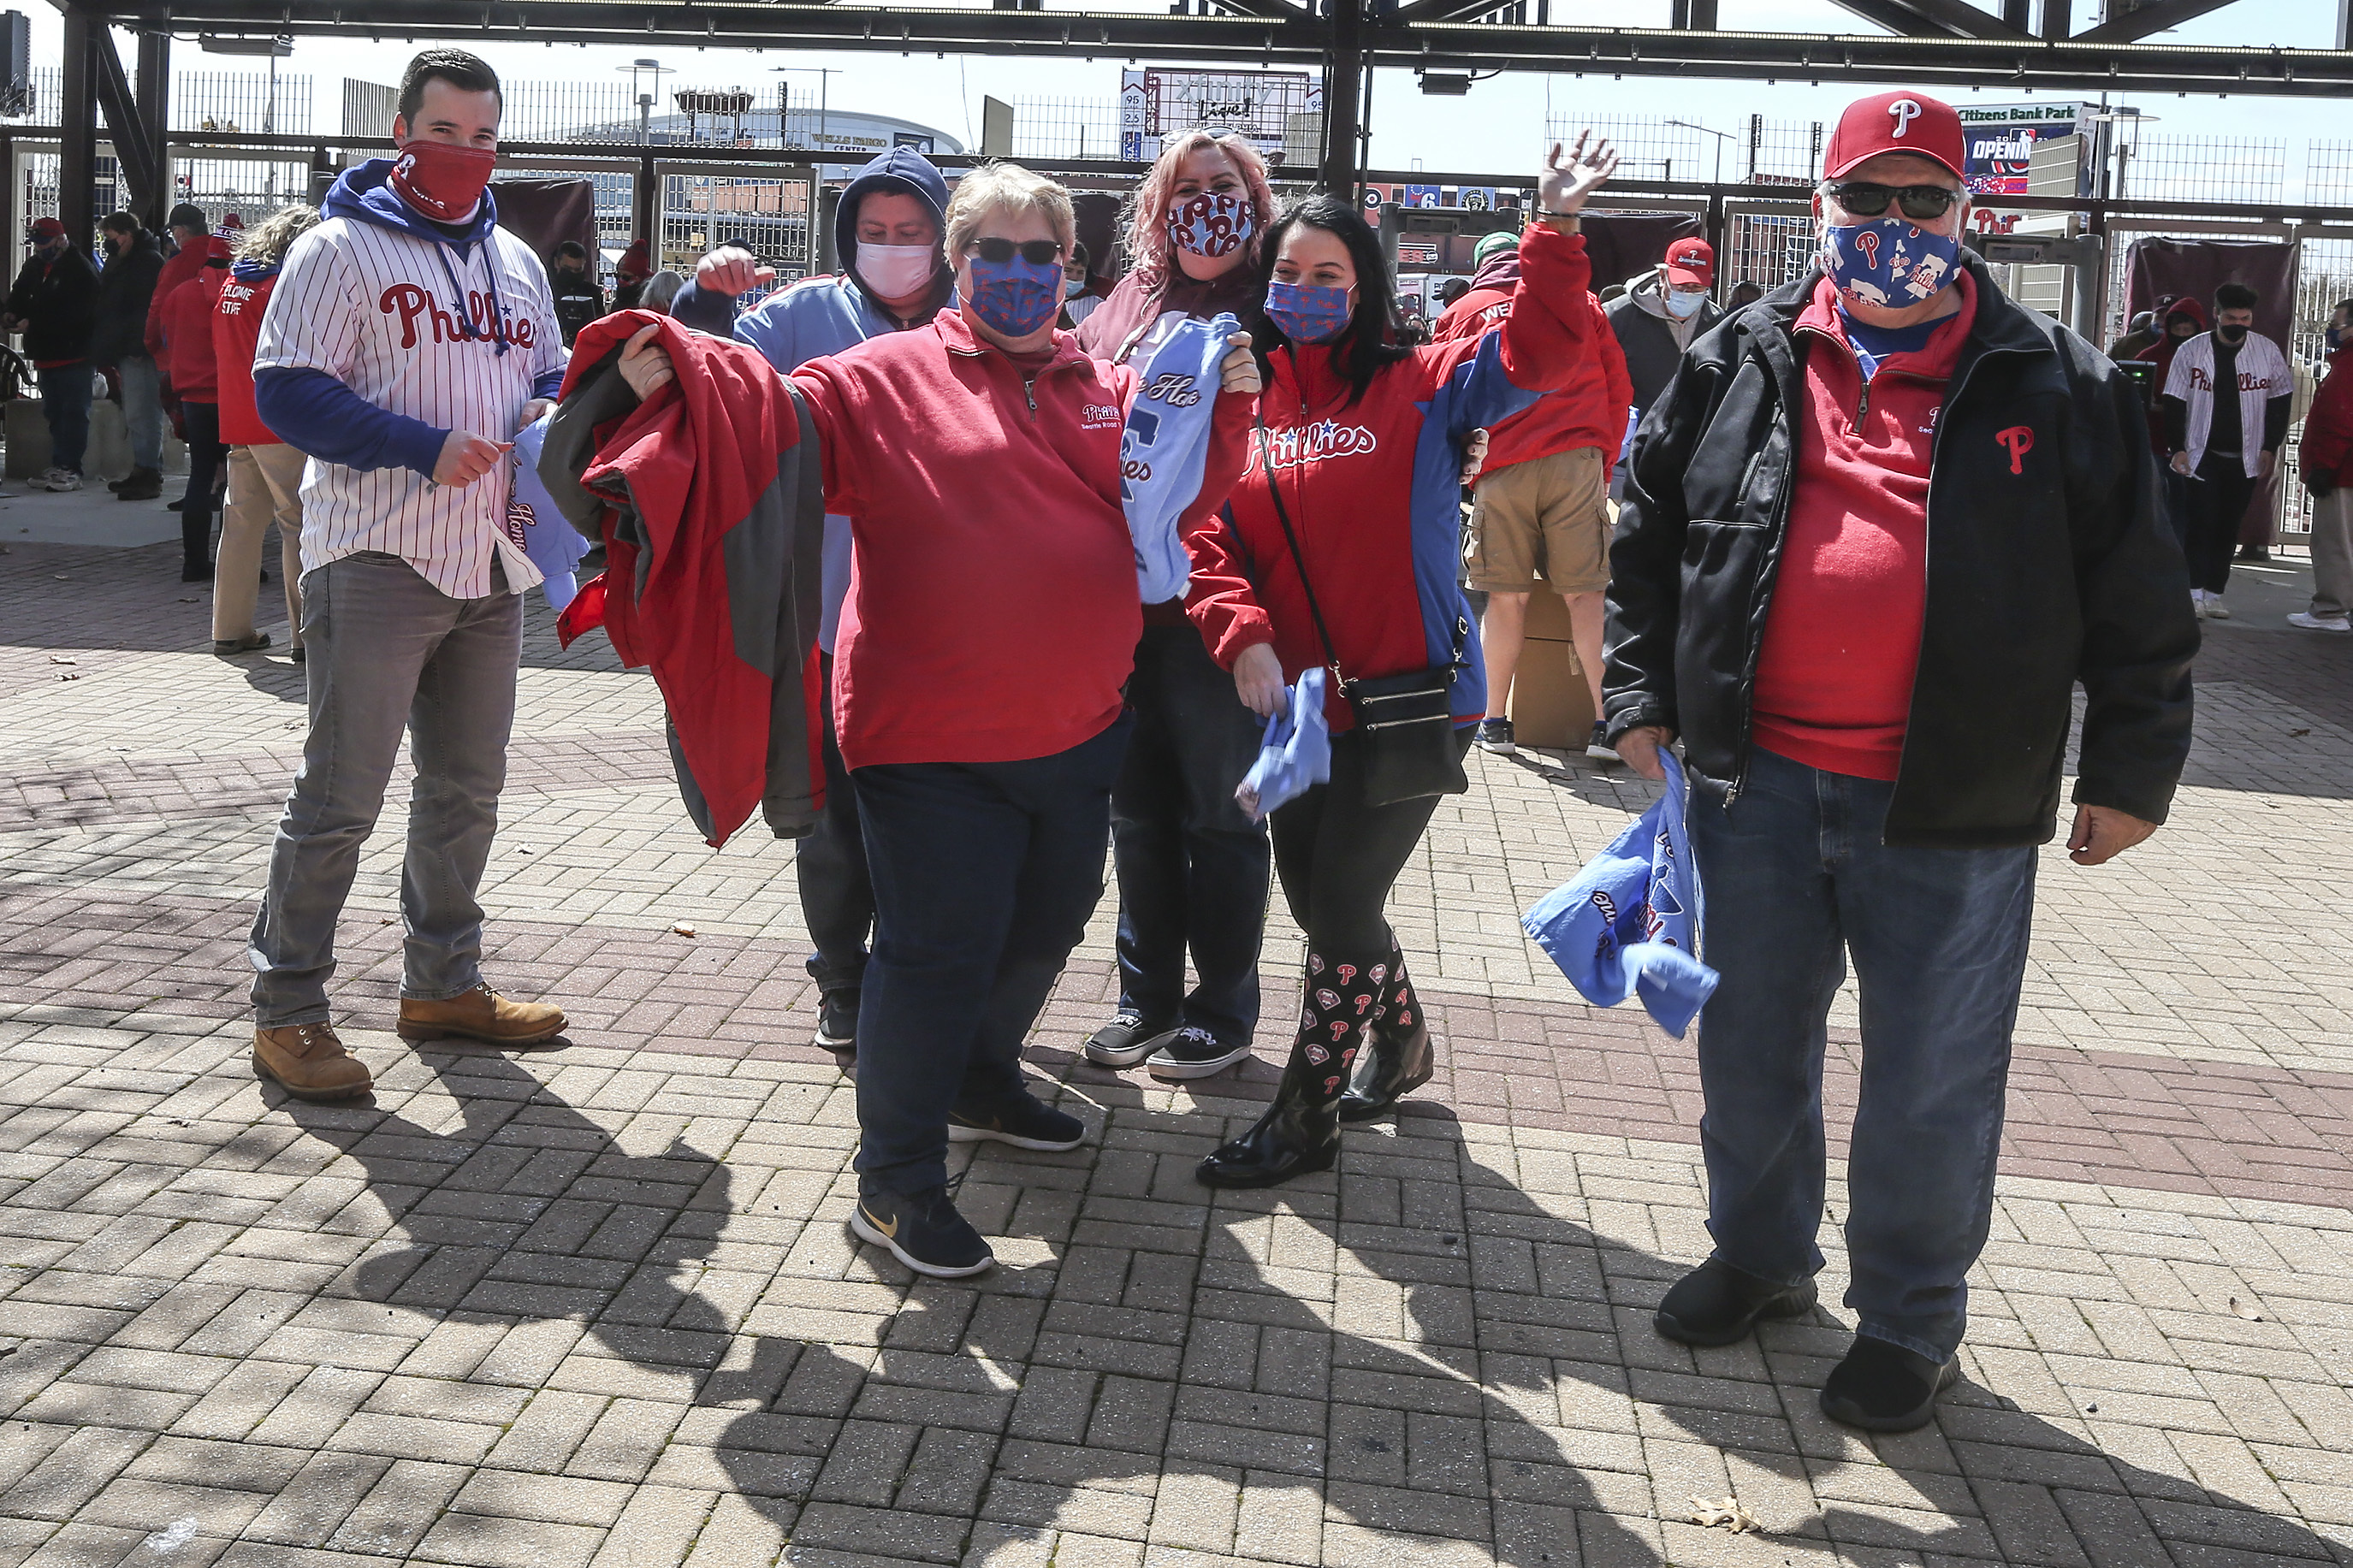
1193,867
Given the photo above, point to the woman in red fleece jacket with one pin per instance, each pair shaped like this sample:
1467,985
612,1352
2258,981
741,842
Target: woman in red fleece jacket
186,320
1366,439
992,614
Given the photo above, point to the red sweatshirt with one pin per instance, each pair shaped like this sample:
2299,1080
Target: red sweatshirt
992,613
1843,637
237,329
178,268
188,336
1372,488
1589,408
2328,423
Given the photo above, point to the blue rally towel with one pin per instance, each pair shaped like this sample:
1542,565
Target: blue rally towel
537,528
1164,447
1296,754
1624,925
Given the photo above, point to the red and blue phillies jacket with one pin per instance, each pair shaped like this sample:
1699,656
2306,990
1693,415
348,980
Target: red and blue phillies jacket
1372,490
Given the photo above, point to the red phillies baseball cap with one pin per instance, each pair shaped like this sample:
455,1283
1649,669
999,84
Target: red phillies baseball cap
1895,122
1691,263
46,228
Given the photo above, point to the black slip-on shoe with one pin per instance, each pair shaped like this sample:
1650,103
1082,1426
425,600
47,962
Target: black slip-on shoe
1716,1304
1192,1053
836,1021
925,1233
1026,1123
1126,1040
1882,1387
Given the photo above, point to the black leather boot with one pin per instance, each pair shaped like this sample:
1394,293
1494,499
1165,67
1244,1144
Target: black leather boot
1299,1134
1398,1061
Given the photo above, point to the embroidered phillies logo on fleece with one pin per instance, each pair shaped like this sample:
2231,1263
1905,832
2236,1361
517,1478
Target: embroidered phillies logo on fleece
2017,440
1097,417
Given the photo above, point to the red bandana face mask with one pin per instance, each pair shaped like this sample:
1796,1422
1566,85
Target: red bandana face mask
442,180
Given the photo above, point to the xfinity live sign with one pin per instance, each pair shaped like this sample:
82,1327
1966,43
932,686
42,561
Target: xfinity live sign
1998,141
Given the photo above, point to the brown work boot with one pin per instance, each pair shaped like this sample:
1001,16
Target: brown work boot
480,1014
308,1062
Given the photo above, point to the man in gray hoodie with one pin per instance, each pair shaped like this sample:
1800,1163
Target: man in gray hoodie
1661,314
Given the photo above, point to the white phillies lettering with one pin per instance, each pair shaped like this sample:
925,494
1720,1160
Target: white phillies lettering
409,302
1904,112
1097,417
1173,389
235,297
1314,443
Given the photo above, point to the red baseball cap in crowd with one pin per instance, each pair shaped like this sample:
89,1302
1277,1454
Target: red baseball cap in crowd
44,228
1691,264
1895,122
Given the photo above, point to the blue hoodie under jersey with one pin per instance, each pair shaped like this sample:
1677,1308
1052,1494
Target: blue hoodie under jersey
821,316
318,414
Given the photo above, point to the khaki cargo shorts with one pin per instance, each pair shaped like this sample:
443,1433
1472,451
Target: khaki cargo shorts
1548,516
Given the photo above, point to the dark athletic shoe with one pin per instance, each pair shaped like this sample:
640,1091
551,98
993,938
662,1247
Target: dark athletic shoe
836,1021
1495,735
925,1233
1192,1053
1716,1304
1126,1040
1026,1123
1882,1387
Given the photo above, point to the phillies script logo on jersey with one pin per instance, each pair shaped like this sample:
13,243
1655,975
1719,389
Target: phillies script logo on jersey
483,323
1314,443
2248,380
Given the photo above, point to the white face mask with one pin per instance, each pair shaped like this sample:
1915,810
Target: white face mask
1683,306
895,272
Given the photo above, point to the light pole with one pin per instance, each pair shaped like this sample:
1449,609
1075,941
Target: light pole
637,70
1721,138
825,75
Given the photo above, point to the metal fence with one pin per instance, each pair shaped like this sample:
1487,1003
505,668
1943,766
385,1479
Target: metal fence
263,101
2203,168
1755,148
1046,128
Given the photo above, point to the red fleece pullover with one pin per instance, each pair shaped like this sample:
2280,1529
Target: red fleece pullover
1842,637
1589,409
2328,426
992,613
188,337
178,268
237,333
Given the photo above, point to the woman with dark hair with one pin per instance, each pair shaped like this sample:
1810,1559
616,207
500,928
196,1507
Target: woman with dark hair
1339,550
1192,867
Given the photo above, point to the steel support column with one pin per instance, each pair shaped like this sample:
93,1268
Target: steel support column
1343,92
155,118
77,131
645,211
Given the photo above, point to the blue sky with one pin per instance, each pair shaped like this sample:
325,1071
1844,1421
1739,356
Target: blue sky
1497,129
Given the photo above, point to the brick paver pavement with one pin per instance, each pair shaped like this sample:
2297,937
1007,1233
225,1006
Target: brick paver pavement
594,1305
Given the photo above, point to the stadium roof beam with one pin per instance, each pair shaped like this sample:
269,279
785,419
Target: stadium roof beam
1938,18
2130,27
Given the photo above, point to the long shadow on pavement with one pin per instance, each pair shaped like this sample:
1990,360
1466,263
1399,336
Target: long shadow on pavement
1165,1352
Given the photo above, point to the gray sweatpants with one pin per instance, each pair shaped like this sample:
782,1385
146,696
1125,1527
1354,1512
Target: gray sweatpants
2332,553
389,651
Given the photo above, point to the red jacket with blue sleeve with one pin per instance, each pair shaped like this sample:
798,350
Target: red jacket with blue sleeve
1372,489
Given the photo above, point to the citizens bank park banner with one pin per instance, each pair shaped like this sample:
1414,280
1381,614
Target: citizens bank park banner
1999,140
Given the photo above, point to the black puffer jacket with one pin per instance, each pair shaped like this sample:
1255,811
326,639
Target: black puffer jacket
124,288
57,302
2055,573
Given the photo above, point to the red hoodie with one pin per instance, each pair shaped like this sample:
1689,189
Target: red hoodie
1589,409
1372,489
2328,423
179,267
237,330
1842,637
992,613
188,337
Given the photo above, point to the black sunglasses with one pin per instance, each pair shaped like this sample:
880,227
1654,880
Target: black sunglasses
1919,201
1036,252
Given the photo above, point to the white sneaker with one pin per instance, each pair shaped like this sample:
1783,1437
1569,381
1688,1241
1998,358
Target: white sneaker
64,479
2215,609
2312,623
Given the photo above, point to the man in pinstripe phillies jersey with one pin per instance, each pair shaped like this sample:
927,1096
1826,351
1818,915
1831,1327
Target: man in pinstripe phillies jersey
407,341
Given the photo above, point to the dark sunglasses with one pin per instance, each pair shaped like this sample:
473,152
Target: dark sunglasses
1919,201
1036,252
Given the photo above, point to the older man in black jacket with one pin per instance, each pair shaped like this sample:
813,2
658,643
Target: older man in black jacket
1881,525
54,303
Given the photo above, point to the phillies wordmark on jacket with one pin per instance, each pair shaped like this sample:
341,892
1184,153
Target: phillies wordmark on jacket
706,498
2046,565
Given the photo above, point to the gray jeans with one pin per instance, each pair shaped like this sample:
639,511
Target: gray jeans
2332,553
388,651
142,410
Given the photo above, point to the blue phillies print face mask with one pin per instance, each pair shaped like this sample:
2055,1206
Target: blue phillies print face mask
1211,223
1305,312
1888,262
1014,297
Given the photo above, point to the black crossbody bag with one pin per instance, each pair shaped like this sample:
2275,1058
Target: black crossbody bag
1407,722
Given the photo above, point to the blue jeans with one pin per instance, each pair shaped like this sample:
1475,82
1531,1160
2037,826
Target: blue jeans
64,404
142,410
984,875
836,896
389,651
1193,867
1795,878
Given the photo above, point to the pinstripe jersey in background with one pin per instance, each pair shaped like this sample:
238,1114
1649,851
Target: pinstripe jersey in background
371,307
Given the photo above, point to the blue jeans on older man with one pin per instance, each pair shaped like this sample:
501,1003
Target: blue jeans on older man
142,409
389,652
1795,878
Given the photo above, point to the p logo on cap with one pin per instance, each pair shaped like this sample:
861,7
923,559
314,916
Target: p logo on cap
1904,111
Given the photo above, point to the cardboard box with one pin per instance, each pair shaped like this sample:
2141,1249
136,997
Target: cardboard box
1550,704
